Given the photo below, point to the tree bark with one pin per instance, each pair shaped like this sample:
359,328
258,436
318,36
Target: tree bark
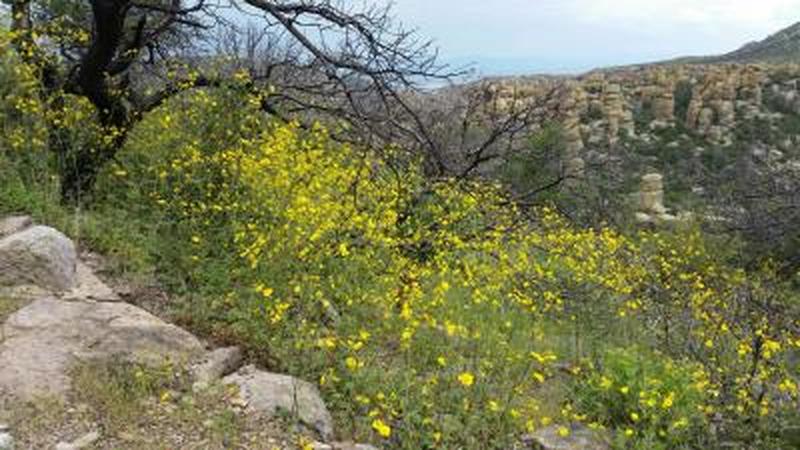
82,165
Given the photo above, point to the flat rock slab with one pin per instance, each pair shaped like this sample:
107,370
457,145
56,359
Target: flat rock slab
89,287
38,255
272,394
43,340
23,292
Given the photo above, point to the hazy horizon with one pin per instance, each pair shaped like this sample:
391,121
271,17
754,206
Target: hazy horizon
516,37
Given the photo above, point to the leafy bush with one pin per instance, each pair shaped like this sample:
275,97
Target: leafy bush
683,97
24,162
653,401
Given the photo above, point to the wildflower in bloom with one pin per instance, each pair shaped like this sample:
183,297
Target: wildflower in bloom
466,379
165,397
683,422
381,428
668,401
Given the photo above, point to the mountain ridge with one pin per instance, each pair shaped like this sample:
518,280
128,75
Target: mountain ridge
780,47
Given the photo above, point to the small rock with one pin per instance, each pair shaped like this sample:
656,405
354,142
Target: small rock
644,219
271,394
579,438
126,436
83,442
342,446
239,402
6,441
352,446
215,365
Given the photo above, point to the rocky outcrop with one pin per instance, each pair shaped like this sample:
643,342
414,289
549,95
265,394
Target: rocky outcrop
71,316
45,339
614,112
651,203
274,394
38,255
80,319
651,196
598,107
664,105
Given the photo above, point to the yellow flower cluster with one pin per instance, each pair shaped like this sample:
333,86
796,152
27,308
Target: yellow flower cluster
411,301
432,313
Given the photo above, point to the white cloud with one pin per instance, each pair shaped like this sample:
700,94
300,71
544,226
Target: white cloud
755,14
585,33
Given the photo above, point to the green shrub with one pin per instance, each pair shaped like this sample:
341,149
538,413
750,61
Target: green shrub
651,401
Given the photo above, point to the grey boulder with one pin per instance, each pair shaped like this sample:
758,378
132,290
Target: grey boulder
215,365
272,394
39,255
42,341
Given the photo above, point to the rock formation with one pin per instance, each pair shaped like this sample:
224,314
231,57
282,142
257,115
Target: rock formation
72,317
651,196
274,394
38,255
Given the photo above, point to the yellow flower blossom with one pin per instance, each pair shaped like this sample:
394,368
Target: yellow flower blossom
466,379
382,428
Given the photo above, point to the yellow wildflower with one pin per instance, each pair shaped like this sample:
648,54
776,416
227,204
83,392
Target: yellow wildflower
466,379
382,428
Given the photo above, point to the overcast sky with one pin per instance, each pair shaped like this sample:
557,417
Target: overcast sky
525,36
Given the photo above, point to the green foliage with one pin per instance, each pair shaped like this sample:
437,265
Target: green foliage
592,114
117,389
538,164
653,401
23,158
683,96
